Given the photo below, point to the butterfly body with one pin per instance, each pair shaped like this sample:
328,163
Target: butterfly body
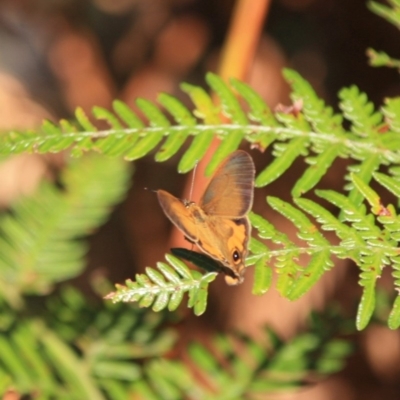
218,225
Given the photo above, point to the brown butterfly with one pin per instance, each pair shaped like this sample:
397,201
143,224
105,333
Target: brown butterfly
218,225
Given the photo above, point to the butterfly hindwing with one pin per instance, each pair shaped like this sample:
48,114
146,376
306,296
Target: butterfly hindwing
230,191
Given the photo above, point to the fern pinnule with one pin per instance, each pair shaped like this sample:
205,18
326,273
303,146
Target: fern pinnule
285,154
101,113
230,105
320,116
366,122
184,118
391,15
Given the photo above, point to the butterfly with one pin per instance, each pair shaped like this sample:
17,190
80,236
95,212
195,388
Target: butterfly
219,225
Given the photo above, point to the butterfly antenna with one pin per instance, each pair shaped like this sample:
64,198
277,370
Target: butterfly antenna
193,176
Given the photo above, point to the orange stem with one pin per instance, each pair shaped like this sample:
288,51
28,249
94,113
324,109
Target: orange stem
242,38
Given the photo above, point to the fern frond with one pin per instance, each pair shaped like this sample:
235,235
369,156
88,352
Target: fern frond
299,280
390,221
361,239
323,120
246,369
382,59
81,350
259,113
365,123
40,239
261,255
315,131
391,111
380,246
371,258
293,279
165,289
78,350
391,15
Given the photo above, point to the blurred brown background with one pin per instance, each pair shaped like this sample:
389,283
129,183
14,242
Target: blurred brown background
57,55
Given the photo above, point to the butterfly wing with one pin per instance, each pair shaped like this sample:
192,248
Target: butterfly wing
230,191
179,214
226,241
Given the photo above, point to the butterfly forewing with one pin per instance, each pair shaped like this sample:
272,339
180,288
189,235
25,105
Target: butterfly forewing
230,191
180,215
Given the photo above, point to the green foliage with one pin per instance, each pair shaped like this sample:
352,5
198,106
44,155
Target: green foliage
60,345
57,344
40,237
79,350
392,15
167,287
312,131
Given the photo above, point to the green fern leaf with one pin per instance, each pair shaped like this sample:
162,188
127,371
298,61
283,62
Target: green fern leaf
365,123
356,108
258,250
389,183
106,115
364,171
183,117
368,281
232,110
356,215
262,277
299,281
394,317
259,112
157,120
351,241
369,194
120,143
69,367
38,241
323,120
285,155
127,115
381,59
230,105
205,108
12,362
319,167
159,289
319,263
196,151
50,129
86,142
391,111
320,116
83,120
391,15
374,254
